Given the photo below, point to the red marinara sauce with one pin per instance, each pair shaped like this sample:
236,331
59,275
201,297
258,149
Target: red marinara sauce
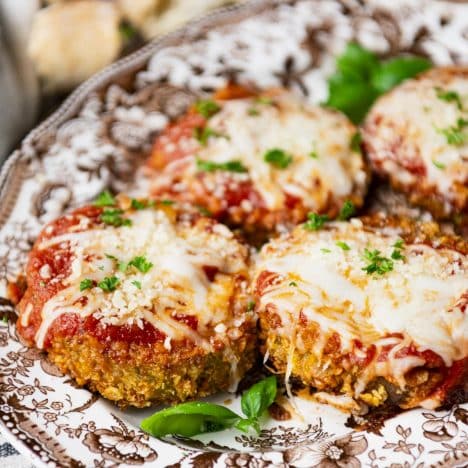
57,259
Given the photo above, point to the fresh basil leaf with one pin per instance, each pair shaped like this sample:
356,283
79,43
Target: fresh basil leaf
394,71
259,397
190,419
357,62
360,78
352,98
246,425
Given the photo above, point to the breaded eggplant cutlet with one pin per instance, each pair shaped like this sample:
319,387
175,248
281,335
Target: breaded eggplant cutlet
259,161
140,302
366,313
417,137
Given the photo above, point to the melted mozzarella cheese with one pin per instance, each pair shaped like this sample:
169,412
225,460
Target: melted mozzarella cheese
414,120
418,298
175,283
332,170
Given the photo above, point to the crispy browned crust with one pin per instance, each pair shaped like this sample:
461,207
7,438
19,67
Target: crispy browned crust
141,375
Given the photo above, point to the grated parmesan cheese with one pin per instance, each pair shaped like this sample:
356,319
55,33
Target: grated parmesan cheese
176,281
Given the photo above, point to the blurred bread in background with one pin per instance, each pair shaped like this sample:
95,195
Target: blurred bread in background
71,40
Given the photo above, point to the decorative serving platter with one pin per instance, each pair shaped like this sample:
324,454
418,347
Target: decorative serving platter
98,139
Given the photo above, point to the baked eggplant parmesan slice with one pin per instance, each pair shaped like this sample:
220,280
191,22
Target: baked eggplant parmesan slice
140,302
259,161
366,313
417,137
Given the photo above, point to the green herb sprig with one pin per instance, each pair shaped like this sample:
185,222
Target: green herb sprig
376,263
230,166
361,77
109,283
315,221
191,419
203,134
207,108
455,134
86,284
278,158
347,210
113,217
343,245
449,96
105,199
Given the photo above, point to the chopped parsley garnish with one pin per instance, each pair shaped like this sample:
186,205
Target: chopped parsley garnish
398,246
166,202
86,284
376,263
454,134
438,164
397,255
293,283
114,218
204,211
278,158
122,266
449,96
266,101
343,245
347,210
105,199
313,154
139,204
231,166
361,78
109,283
355,143
253,111
207,108
315,221
203,134
137,284
141,264
324,250
250,306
